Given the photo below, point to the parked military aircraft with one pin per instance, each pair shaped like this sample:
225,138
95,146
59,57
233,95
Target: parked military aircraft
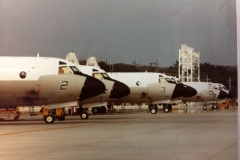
115,90
35,81
207,92
151,88
230,93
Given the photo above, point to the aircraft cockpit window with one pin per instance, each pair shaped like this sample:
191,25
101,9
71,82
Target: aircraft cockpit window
75,69
220,88
179,82
224,88
105,75
173,80
168,79
210,87
64,70
215,87
97,75
162,80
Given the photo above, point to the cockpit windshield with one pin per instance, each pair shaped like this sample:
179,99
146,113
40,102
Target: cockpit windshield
64,70
97,75
220,87
105,75
173,80
101,75
224,87
179,82
75,70
215,87
162,80
168,79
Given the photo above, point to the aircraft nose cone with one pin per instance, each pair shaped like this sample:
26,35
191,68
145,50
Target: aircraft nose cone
119,90
190,91
222,95
231,94
179,91
92,87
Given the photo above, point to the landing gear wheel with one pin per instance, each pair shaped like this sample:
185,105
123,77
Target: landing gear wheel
153,109
214,106
204,108
166,110
49,119
167,107
102,109
84,115
95,110
150,106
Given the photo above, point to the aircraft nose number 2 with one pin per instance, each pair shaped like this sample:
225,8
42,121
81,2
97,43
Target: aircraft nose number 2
64,85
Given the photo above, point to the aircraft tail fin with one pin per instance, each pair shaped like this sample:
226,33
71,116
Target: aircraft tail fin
72,57
92,61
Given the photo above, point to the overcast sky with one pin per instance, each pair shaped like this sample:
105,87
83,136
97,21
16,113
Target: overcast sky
127,30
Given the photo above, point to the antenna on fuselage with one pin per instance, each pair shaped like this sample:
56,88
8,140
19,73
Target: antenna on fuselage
207,79
229,80
111,66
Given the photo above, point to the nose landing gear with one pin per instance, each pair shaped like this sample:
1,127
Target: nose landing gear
153,108
167,107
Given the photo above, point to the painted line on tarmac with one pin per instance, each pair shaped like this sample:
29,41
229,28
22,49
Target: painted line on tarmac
222,151
58,128
39,130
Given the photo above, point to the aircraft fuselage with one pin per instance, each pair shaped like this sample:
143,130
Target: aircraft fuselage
33,81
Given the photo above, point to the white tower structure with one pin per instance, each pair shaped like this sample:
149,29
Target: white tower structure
189,64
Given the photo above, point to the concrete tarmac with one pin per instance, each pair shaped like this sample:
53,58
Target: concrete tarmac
211,135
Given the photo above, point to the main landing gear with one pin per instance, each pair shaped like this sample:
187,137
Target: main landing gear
167,107
153,108
101,109
205,107
83,113
214,106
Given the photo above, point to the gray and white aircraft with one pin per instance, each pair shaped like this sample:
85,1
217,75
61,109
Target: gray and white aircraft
151,88
35,81
207,92
115,90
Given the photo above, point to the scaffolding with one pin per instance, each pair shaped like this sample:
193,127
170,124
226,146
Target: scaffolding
189,64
